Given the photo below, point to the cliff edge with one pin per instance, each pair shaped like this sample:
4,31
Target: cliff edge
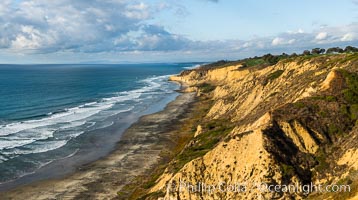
291,123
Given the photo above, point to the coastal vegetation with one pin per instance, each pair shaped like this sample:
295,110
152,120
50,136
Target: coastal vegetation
270,59
306,120
273,76
184,131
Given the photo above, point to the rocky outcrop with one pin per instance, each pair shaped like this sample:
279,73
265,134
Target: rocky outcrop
292,123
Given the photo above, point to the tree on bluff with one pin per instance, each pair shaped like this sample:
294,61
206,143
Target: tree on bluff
306,52
316,51
334,50
271,59
350,49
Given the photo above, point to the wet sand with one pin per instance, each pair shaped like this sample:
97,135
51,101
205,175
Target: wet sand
136,153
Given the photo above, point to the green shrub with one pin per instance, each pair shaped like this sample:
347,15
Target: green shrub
299,105
322,163
254,62
350,96
351,93
205,142
206,87
330,98
344,110
272,76
333,129
287,170
275,75
353,110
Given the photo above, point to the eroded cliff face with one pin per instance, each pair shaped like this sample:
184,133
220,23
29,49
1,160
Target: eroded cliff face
291,123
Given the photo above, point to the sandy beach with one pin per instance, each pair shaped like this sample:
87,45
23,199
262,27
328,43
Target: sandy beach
136,153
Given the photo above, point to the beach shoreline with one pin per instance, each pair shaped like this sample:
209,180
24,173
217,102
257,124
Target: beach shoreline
137,152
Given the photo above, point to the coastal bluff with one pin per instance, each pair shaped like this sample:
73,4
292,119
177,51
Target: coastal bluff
293,122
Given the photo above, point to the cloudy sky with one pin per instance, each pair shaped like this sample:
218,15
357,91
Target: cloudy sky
121,31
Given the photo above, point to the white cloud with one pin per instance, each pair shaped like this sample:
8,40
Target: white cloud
281,41
291,41
295,32
277,41
47,26
247,44
348,37
124,27
29,38
138,11
321,36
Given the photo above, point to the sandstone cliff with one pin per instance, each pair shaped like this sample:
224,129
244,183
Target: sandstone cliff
294,122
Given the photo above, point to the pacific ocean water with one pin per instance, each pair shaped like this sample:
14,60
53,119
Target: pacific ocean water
48,112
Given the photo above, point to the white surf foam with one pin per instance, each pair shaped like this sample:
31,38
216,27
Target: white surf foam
193,67
39,147
12,143
25,133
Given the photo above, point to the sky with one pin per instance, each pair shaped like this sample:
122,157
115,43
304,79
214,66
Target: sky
139,31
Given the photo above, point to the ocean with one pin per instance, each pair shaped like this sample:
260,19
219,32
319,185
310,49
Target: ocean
54,112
